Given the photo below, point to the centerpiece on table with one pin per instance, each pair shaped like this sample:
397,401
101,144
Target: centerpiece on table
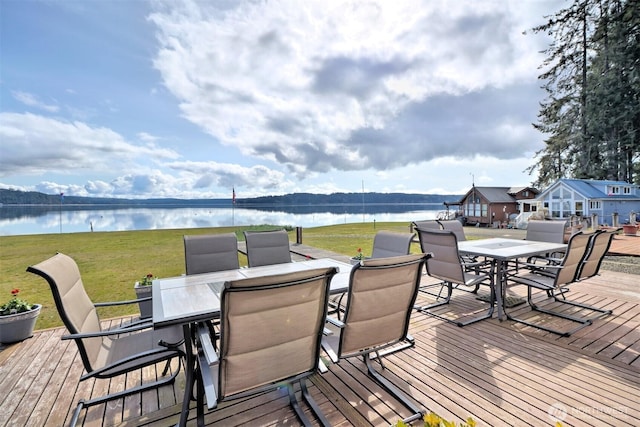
17,319
143,289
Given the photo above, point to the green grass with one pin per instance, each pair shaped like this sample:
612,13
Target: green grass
111,262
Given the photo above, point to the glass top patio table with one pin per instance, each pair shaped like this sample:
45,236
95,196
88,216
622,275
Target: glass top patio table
502,251
185,299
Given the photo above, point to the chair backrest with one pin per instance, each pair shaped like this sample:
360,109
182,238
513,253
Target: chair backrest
271,328
574,255
210,252
387,244
74,306
267,247
455,226
598,247
381,296
545,231
429,224
445,263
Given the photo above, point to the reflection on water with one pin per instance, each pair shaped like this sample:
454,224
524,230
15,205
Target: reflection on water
45,220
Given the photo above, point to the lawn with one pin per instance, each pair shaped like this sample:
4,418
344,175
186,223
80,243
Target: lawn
110,262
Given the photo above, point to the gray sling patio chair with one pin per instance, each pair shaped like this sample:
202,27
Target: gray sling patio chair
455,226
107,353
471,262
270,337
447,265
387,244
267,247
429,224
537,276
598,248
381,296
210,252
545,231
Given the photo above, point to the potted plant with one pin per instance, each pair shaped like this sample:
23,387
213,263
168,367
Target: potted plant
17,319
359,257
143,289
630,229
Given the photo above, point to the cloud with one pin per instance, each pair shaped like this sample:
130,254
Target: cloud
352,85
33,101
34,144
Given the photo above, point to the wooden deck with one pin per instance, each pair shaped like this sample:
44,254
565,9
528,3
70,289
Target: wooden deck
625,245
499,373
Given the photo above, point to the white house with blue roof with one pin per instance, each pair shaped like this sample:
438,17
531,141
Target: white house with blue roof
611,201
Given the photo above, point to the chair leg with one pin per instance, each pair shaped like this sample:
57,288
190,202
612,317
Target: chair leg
577,304
295,404
582,322
417,413
312,404
425,308
118,395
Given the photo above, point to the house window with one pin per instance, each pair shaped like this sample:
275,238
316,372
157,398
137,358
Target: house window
579,209
595,205
525,193
626,190
614,189
484,210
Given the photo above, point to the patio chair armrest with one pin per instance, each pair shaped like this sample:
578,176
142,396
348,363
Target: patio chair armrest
117,331
125,302
534,266
335,322
329,350
471,264
208,349
208,361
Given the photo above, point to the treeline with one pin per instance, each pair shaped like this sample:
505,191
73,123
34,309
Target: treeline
591,75
348,199
15,197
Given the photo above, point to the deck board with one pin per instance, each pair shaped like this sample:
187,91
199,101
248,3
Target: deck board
499,373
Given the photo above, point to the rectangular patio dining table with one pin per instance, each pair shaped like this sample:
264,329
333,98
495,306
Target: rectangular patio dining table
502,251
185,300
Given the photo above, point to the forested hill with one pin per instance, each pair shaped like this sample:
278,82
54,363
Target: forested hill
14,197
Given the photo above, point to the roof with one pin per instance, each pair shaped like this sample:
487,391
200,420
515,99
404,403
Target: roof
492,194
591,189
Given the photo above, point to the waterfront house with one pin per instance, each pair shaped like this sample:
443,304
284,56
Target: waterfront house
496,205
599,202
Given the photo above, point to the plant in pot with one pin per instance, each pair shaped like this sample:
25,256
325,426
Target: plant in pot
630,229
17,319
359,257
143,289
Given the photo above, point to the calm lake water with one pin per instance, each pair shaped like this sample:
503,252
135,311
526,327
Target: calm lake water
47,220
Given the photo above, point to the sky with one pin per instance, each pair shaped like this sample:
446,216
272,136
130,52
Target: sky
191,99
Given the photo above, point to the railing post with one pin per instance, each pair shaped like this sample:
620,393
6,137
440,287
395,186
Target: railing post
299,235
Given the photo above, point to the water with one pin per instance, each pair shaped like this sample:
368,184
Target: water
47,220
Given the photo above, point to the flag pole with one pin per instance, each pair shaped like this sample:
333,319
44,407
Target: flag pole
233,206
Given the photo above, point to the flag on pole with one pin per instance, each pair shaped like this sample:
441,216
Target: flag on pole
233,196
